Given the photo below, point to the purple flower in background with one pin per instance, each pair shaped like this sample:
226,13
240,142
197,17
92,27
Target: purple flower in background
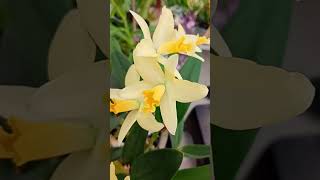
188,21
182,60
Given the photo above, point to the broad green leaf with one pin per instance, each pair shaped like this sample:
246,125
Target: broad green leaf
115,120
197,151
156,165
176,139
229,148
200,173
259,30
134,145
71,47
262,39
190,71
26,37
119,65
218,44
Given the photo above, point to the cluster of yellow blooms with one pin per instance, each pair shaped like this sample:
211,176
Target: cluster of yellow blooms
148,85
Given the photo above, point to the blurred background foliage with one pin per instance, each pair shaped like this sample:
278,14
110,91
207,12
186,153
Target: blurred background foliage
255,30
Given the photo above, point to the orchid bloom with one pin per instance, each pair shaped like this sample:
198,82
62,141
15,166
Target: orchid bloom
175,89
142,103
166,39
113,175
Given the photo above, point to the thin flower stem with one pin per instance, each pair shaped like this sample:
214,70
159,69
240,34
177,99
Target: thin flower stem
163,139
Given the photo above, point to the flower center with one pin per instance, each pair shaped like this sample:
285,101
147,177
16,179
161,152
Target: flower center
176,46
152,98
118,106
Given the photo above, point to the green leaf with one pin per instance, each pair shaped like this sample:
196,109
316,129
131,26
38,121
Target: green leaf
197,151
190,71
119,65
134,145
116,153
259,30
262,39
176,139
156,165
201,173
28,31
226,159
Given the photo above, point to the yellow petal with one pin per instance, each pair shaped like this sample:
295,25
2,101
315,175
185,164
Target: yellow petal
145,48
42,140
186,91
134,91
71,47
169,112
218,44
143,25
248,95
119,106
113,172
127,178
75,95
94,17
81,166
14,100
149,70
180,45
132,76
127,124
148,122
202,40
164,31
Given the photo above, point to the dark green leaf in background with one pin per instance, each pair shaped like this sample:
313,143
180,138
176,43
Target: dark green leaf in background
198,173
229,149
156,165
198,151
119,63
29,28
257,31
134,145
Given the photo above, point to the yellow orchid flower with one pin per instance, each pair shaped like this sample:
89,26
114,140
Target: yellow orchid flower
175,89
113,175
64,116
166,39
141,100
